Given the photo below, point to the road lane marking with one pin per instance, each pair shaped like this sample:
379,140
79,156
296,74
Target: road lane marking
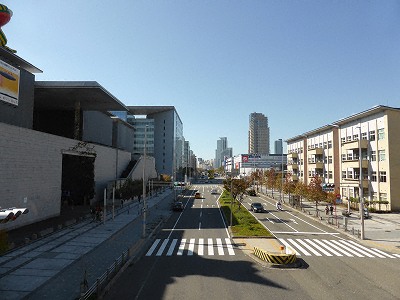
338,248
229,246
309,247
328,248
304,232
347,248
191,247
304,251
181,247
383,253
284,222
200,250
356,247
150,252
318,247
220,248
294,221
172,247
210,247
199,225
163,245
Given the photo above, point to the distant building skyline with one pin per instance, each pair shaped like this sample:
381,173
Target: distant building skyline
222,151
278,147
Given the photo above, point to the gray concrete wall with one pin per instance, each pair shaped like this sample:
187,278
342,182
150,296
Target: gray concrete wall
97,128
31,171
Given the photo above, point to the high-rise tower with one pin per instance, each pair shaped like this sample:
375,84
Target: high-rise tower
258,134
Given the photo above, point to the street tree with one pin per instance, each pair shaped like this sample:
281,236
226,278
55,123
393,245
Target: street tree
315,192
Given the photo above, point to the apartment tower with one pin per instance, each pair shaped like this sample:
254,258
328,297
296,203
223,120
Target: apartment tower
258,134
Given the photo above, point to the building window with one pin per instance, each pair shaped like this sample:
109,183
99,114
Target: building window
350,156
330,159
372,135
343,157
355,137
348,138
343,140
373,155
373,176
350,174
383,196
364,136
330,174
381,154
382,176
329,144
344,174
381,133
374,196
325,160
325,145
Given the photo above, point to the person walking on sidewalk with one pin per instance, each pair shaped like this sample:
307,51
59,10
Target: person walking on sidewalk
331,209
326,209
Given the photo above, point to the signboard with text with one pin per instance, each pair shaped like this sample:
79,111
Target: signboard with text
9,83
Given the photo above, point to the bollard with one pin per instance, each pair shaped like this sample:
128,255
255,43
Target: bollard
282,249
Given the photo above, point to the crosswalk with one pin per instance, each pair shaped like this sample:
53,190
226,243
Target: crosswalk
189,247
338,247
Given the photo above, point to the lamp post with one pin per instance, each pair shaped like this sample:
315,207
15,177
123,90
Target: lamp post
282,170
144,182
361,192
231,200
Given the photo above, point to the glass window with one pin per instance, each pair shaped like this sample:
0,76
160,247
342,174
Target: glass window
381,133
383,196
343,157
382,176
364,135
375,196
329,144
343,140
329,159
348,138
372,135
373,155
325,145
355,137
330,175
373,176
381,154
350,174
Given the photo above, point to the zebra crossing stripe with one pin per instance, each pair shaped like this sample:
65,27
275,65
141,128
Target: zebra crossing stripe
220,248
347,248
181,247
366,249
305,252
200,249
151,250
329,249
172,247
309,247
191,247
357,248
397,255
210,247
163,245
383,253
229,246
318,247
338,248
287,246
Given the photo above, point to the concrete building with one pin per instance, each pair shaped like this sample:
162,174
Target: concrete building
278,147
222,152
165,132
333,152
244,164
258,134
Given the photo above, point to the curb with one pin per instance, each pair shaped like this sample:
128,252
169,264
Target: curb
275,258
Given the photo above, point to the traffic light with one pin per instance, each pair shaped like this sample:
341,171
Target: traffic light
10,214
328,187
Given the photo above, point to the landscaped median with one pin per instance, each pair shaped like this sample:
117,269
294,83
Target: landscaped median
246,226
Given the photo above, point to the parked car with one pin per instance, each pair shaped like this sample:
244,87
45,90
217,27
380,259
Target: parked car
178,206
257,207
197,195
251,192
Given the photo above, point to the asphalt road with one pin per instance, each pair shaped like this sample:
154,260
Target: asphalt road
192,258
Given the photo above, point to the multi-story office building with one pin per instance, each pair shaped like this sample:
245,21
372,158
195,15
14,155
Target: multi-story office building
278,147
359,154
258,134
222,152
165,131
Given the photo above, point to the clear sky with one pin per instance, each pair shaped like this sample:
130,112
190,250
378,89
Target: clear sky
303,64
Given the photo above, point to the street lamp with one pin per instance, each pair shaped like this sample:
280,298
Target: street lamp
361,192
282,170
144,182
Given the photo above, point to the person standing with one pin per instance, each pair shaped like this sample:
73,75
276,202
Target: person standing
331,209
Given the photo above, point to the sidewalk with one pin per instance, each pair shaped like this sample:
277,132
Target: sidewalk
382,230
54,267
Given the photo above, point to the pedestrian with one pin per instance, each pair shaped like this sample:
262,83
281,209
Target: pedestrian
326,209
331,209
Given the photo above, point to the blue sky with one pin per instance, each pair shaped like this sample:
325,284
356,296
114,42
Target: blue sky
303,64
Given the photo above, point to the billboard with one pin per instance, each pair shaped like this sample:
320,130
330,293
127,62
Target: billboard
9,83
